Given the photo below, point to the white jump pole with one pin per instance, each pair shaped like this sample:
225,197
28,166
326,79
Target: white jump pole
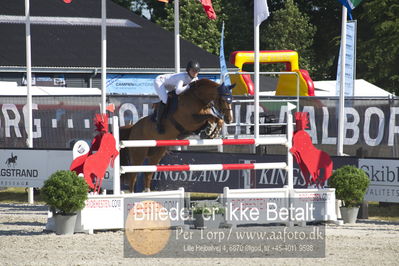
117,161
271,140
290,133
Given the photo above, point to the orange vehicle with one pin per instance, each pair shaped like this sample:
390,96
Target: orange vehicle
286,85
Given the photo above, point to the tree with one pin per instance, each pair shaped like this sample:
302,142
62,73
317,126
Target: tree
239,34
291,26
288,28
194,24
326,15
378,43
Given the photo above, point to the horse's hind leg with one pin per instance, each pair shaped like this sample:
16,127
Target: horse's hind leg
156,154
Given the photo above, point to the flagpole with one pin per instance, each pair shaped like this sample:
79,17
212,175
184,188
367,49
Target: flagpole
103,56
29,140
256,76
29,119
177,37
341,117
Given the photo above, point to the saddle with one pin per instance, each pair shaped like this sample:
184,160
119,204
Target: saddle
171,106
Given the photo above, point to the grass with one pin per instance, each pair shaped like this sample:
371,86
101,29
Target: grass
18,195
386,213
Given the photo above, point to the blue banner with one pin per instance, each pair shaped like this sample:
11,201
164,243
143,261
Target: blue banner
139,84
223,67
131,84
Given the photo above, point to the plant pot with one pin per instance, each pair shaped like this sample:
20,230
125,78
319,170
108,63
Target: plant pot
65,224
349,215
213,222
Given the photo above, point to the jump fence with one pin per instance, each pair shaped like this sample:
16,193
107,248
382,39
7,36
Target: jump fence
270,140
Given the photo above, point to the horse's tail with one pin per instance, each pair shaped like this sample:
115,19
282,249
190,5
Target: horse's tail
124,132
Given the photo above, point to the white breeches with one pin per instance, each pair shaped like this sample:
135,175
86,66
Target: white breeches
160,89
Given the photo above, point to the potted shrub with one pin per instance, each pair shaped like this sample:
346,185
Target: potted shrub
208,216
350,185
65,193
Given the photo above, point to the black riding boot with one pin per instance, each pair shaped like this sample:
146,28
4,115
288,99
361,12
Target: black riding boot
160,113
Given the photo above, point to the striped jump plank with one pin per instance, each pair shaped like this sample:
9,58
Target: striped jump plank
201,167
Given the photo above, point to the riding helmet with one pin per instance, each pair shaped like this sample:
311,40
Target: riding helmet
193,65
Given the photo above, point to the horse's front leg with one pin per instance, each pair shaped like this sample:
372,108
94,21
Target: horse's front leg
217,129
132,181
155,155
147,181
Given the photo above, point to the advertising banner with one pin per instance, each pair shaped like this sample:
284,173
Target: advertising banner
350,61
384,179
138,84
215,181
30,168
371,126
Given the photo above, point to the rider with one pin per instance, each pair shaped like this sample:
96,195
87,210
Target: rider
178,82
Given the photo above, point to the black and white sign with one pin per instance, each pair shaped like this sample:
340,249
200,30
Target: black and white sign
384,179
30,168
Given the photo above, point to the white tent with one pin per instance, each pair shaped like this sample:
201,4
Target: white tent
362,88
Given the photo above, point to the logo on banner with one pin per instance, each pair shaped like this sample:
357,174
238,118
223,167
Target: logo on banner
12,161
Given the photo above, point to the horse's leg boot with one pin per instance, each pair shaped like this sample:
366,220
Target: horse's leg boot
160,112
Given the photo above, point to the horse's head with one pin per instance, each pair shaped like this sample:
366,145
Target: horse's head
208,91
224,100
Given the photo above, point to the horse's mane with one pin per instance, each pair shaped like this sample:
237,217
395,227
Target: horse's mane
202,83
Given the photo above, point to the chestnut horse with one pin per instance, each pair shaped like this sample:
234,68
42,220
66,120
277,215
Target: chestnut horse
205,102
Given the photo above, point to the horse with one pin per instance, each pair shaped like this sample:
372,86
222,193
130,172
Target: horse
310,159
204,102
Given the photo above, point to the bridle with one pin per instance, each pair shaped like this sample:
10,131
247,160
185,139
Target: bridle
224,92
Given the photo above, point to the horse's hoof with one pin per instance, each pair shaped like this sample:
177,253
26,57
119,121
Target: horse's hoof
147,190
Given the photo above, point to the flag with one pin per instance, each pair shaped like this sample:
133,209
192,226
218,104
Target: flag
350,5
261,11
207,4
350,59
223,68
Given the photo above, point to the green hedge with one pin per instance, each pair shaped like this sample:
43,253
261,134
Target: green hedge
65,191
350,184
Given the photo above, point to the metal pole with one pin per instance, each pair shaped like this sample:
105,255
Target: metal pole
29,140
103,56
341,124
256,78
177,37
